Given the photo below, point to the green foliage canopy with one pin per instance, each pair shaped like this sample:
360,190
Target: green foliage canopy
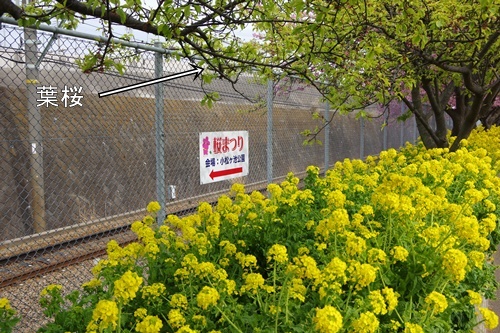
439,53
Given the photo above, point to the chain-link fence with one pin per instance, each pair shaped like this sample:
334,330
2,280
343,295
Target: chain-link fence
75,167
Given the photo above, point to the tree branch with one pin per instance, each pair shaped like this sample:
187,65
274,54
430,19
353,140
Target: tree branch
420,117
486,47
8,7
446,94
130,22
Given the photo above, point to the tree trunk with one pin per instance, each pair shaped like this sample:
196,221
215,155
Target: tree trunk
492,118
423,126
469,121
425,136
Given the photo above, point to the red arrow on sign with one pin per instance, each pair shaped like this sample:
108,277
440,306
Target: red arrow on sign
214,174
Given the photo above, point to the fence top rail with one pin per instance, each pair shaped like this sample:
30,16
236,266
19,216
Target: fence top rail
84,35
103,39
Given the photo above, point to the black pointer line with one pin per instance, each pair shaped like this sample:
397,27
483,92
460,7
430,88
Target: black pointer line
197,70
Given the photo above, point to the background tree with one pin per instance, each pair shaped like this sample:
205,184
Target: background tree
443,54
194,28
437,55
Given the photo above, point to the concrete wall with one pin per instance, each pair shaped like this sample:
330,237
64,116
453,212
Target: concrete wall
99,159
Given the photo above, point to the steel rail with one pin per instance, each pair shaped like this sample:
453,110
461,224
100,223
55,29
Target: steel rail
33,263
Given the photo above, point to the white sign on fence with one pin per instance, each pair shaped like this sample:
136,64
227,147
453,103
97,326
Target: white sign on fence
223,155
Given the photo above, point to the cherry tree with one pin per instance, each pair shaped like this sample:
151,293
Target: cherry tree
440,55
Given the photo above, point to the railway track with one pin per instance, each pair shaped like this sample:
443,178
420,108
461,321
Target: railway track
33,256
30,257
41,262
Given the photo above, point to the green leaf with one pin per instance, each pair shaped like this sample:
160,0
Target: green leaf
122,14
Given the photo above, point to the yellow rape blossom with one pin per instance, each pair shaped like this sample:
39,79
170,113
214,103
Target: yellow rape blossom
92,284
277,253
246,261
467,228
153,291
435,235
254,282
475,298
306,267
437,302
483,243
377,302
413,328
153,207
376,256
320,246
327,320
200,319
150,324
252,216
489,206
391,298
224,204
50,288
298,290
395,325
204,269
366,210
140,313
473,196
151,250
127,286
175,318
232,218
237,188
354,245
189,261
105,314
5,304
230,287
335,270
336,222
399,253
204,210
366,323
488,224
273,309
362,274
229,248
336,199
490,318
275,190
224,262
303,250
179,301
186,329
454,263
476,258
207,296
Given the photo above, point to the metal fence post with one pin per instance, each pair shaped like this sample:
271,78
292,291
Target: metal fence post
415,131
402,126
384,142
362,138
35,132
269,131
160,138
327,136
